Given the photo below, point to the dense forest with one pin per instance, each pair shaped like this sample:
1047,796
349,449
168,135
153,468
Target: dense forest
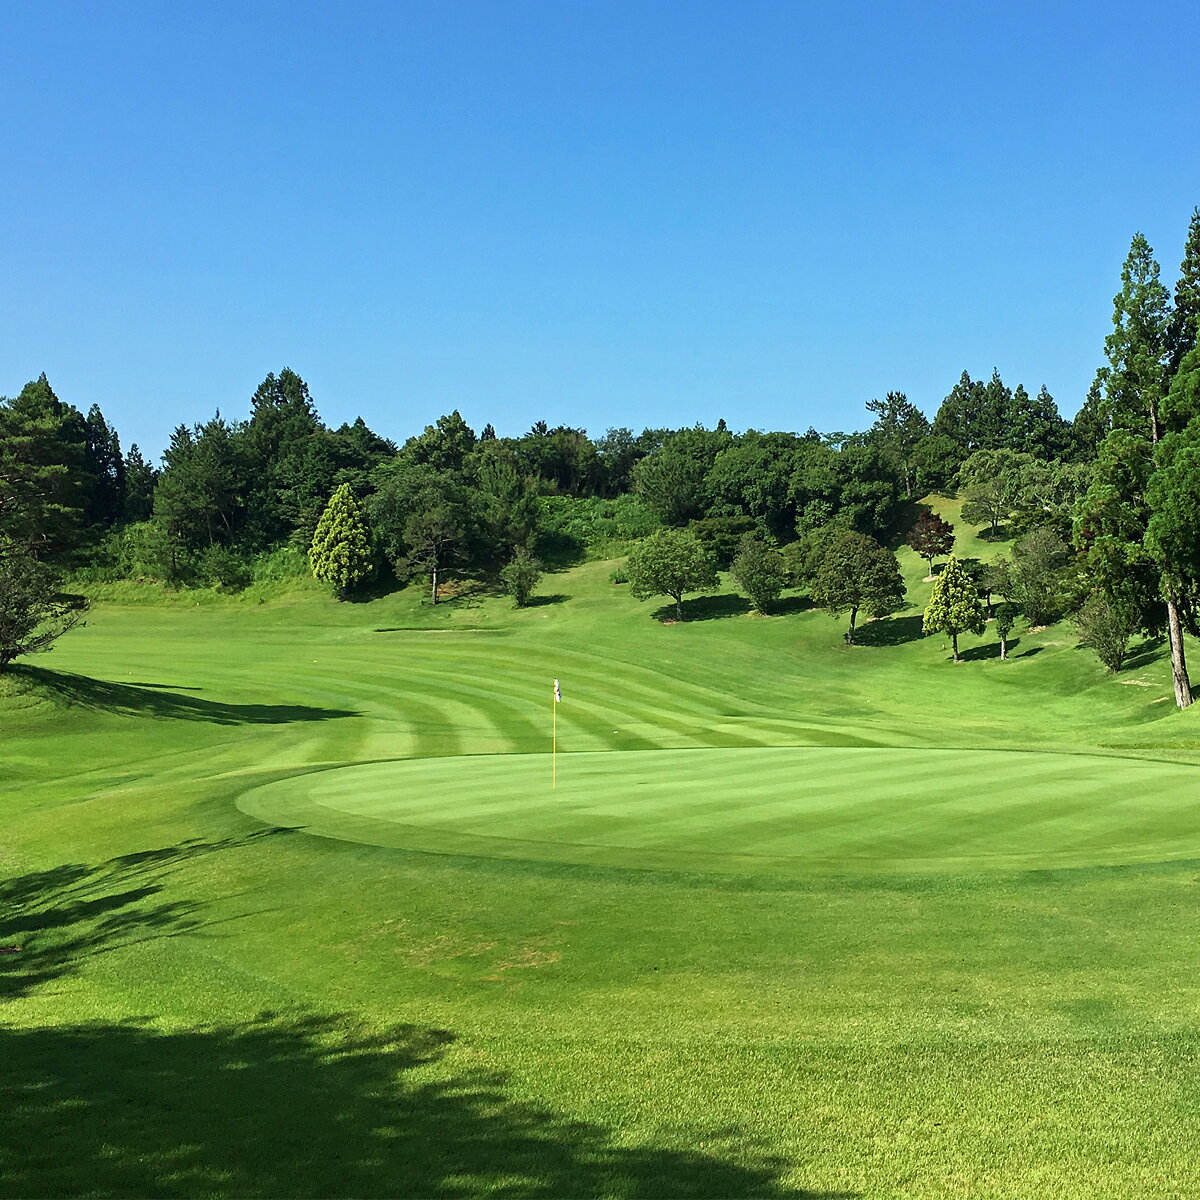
1103,511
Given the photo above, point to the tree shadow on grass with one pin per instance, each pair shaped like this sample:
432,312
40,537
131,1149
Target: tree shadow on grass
150,700
288,1104
786,606
1142,655
305,1105
889,631
706,608
989,650
52,921
549,598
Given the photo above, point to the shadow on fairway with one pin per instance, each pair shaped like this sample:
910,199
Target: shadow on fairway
889,631
705,608
551,598
52,921
292,1104
150,700
989,650
311,1105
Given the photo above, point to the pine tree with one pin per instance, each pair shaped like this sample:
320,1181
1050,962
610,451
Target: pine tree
1185,319
341,549
954,607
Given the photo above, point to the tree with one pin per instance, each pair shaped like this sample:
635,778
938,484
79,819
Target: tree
671,481
670,562
931,537
33,612
856,572
760,571
954,605
521,576
899,429
1105,625
435,538
340,554
1035,579
139,487
43,471
105,468
1185,316
990,483
1006,616
1114,516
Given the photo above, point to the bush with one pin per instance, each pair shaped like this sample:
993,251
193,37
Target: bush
521,576
1105,626
619,574
223,568
573,526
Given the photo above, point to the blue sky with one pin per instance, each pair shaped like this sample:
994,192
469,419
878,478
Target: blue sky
594,213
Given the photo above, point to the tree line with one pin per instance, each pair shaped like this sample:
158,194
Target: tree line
1117,487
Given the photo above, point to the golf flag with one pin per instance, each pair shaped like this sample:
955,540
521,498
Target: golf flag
557,693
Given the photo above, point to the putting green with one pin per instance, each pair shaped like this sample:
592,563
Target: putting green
766,809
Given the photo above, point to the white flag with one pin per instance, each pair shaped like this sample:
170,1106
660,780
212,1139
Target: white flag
557,693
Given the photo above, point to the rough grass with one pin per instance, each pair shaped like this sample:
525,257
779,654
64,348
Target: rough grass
204,1004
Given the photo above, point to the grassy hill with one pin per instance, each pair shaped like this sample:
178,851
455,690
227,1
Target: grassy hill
791,924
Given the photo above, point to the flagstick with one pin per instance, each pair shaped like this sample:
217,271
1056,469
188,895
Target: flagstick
554,741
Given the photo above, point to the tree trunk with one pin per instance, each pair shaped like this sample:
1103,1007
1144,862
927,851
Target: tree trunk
954,643
850,631
434,576
1003,647
1179,674
679,607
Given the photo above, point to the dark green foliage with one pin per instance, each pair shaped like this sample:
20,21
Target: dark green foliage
1184,329
931,537
435,536
936,460
521,576
990,483
954,606
672,482
1091,424
760,571
670,562
900,428
1038,579
34,613
340,554
43,472
1139,345
752,479
855,572
140,477
1105,625
723,536
1006,614
223,568
105,469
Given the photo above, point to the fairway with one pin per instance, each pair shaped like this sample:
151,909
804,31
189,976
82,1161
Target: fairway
769,809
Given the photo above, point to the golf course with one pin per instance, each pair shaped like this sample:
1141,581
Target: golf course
309,898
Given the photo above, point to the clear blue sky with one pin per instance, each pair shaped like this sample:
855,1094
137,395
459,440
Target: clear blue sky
597,213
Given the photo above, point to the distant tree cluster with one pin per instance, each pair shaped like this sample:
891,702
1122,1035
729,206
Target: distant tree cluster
1103,512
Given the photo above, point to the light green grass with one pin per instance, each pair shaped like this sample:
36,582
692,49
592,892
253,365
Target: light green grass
979,990
765,809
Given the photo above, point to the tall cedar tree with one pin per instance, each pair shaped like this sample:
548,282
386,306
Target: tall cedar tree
670,562
43,472
1185,319
899,428
1114,515
340,554
760,571
931,537
856,572
954,606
